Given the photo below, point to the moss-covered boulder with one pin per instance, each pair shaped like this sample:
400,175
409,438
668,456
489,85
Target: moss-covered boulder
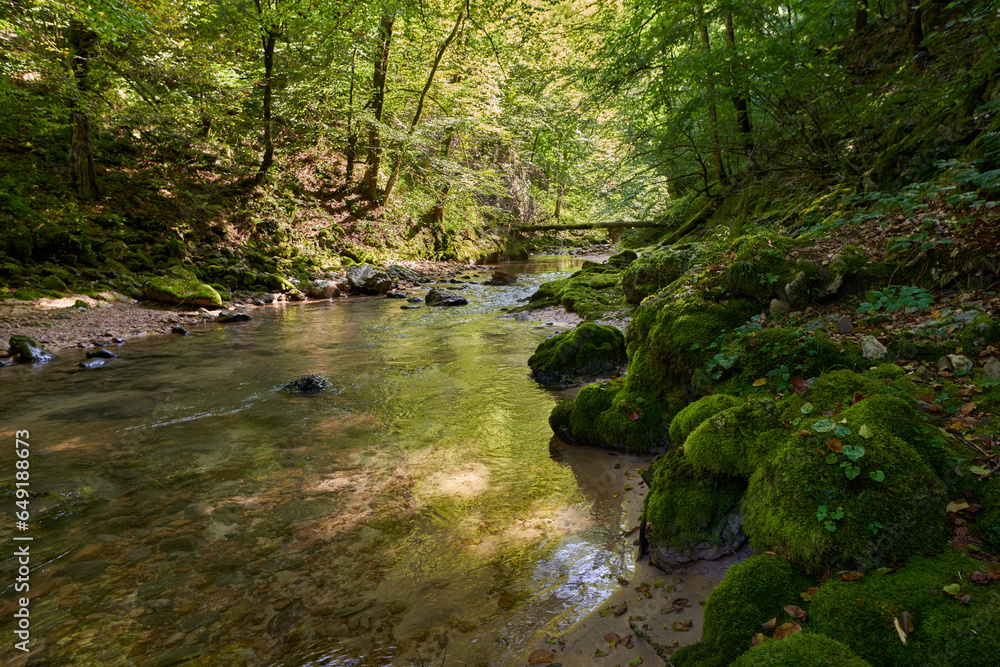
751,593
691,417
800,650
278,282
758,267
27,351
54,283
622,259
589,349
861,613
652,272
691,515
607,414
589,292
738,440
848,490
183,288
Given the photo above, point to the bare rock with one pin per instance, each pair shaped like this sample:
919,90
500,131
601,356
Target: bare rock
871,348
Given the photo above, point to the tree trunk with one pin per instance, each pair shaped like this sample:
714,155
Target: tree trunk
352,133
559,198
860,17
713,119
268,39
915,27
369,184
437,213
740,101
81,41
420,104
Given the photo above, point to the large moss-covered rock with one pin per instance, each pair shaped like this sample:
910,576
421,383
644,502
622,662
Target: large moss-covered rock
751,593
758,267
819,508
738,440
181,287
27,351
800,650
652,272
589,349
691,417
691,515
607,414
946,632
589,292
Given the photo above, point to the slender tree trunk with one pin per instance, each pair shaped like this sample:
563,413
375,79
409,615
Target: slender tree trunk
437,213
740,101
369,184
559,199
420,104
713,118
860,17
914,27
268,40
81,41
352,133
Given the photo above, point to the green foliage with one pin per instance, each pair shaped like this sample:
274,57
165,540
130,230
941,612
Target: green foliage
588,349
896,298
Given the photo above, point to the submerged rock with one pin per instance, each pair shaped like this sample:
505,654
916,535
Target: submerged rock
502,278
395,295
366,279
229,318
101,353
91,363
440,297
180,331
310,384
28,351
588,350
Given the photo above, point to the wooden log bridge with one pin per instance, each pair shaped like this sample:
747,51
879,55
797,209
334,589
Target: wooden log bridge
589,225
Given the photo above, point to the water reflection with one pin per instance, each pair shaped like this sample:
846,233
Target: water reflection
189,509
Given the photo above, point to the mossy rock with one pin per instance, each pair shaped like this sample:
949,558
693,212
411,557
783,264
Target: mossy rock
25,294
801,650
652,272
691,417
589,349
606,414
622,259
278,282
182,288
784,503
54,283
751,593
988,521
737,440
588,292
801,353
946,632
27,351
758,266
691,515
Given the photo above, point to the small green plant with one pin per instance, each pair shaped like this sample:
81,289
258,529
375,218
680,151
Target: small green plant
828,517
896,298
783,375
874,526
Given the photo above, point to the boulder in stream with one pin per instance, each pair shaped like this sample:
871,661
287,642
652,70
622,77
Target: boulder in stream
367,279
502,278
229,318
440,297
323,289
27,351
588,350
309,384
181,287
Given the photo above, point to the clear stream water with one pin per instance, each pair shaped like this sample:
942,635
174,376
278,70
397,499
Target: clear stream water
189,511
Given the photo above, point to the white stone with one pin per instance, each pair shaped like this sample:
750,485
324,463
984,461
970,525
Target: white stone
992,368
871,348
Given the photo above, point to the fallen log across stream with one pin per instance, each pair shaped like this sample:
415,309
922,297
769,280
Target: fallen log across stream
589,225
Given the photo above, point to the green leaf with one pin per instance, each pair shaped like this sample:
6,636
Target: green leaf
878,476
831,459
824,426
854,452
635,661
979,470
952,589
852,472
806,409
865,432
841,431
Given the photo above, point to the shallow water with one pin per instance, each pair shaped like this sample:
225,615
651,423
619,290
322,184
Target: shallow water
188,509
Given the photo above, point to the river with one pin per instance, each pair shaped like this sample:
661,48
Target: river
187,510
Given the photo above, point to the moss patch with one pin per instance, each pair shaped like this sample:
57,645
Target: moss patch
800,650
589,349
589,292
652,272
182,288
738,440
803,504
860,614
685,507
688,419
